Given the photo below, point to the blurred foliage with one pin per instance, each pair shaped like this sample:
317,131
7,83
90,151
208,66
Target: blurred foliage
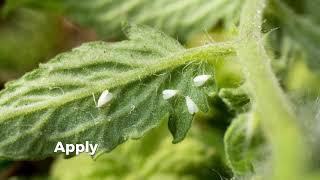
27,37
300,22
179,18
245,145
300,79
199,156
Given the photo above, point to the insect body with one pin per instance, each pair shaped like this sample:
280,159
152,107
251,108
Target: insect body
192,107
169,93
201,79
104,98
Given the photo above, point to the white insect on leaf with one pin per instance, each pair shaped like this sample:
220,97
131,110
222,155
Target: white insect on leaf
192,107
169,93
104,98
201,79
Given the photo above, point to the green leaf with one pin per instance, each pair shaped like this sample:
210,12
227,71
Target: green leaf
27,37
312,9
57,101
244,145
303,30
237,99
307,8
180,18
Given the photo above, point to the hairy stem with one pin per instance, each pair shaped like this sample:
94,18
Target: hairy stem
269,101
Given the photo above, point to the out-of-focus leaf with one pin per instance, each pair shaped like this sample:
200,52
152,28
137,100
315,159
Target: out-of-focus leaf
236,98
302,80
301,28
26,37
179,18
10,6
57,101
152,157
311,8
244,145
307,8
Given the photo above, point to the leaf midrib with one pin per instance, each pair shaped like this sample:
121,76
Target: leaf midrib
203,53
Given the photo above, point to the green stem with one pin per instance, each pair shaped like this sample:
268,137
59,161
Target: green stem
269,101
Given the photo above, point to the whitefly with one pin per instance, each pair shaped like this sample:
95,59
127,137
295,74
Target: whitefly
169,93
201,80
192,107
104,98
